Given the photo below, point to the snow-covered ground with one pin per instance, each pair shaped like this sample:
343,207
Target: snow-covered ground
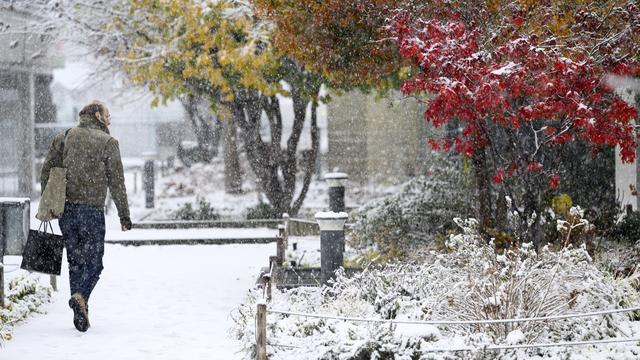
152,302
183,185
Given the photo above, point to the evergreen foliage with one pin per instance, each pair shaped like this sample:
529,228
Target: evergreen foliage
420,213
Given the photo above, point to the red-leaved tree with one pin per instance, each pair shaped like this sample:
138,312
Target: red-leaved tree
516,103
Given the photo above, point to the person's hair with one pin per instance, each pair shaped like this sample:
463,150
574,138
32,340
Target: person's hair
93,108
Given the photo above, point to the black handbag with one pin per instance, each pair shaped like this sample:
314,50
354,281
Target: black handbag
43,251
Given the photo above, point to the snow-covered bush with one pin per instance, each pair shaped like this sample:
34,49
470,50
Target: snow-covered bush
627,230
471,280
201,211
619,258
263,210
420,211
25,295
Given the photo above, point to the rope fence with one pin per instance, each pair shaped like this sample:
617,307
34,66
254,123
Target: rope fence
304,221
539,345
262,311
457,322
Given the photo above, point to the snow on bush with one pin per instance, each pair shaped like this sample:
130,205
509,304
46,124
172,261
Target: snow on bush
412,217
24,296
471,280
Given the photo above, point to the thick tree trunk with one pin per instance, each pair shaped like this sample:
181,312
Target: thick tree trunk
276,168
232,169
247,111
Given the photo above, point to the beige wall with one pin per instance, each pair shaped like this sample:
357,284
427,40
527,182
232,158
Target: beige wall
394,138
626,174
347,135
376,139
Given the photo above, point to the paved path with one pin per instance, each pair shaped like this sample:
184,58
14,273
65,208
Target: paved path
153,302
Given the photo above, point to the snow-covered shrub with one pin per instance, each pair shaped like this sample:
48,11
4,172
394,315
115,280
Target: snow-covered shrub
263,210
627,230
25,295
619,258
420,211
201,211
470,281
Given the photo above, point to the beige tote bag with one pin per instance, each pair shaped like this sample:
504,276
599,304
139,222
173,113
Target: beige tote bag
52,201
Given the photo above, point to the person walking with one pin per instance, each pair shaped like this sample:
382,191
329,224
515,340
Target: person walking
92,159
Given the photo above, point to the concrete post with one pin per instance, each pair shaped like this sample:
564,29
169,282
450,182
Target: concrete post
149,179
26,125
280,245
286,220
331,243
14,225
337,182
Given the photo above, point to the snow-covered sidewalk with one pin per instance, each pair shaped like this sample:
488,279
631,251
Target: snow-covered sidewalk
153,302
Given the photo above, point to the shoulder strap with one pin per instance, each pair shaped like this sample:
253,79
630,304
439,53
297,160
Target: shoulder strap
64,140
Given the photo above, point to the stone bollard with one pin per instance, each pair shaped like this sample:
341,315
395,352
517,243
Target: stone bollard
281,248
149,179
337,182
15,215
331,243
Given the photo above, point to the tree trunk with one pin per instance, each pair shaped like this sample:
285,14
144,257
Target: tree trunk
205,127
275,168
483,183
532,205
232,170
247,110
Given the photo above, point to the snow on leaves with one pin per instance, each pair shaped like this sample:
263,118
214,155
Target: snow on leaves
514,85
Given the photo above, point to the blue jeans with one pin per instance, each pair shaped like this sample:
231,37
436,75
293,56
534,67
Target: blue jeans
83,230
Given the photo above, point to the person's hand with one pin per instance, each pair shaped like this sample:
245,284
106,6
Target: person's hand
125,223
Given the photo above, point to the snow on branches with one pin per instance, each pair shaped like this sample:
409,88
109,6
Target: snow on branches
468,282
519,87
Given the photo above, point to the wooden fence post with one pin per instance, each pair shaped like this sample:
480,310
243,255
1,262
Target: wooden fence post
265,283
261,331
1,285
269,290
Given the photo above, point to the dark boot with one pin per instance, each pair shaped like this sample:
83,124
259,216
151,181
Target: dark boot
80,313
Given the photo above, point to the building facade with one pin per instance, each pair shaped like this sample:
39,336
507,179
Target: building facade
26,63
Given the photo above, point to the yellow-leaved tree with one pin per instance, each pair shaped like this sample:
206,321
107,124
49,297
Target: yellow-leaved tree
219,51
